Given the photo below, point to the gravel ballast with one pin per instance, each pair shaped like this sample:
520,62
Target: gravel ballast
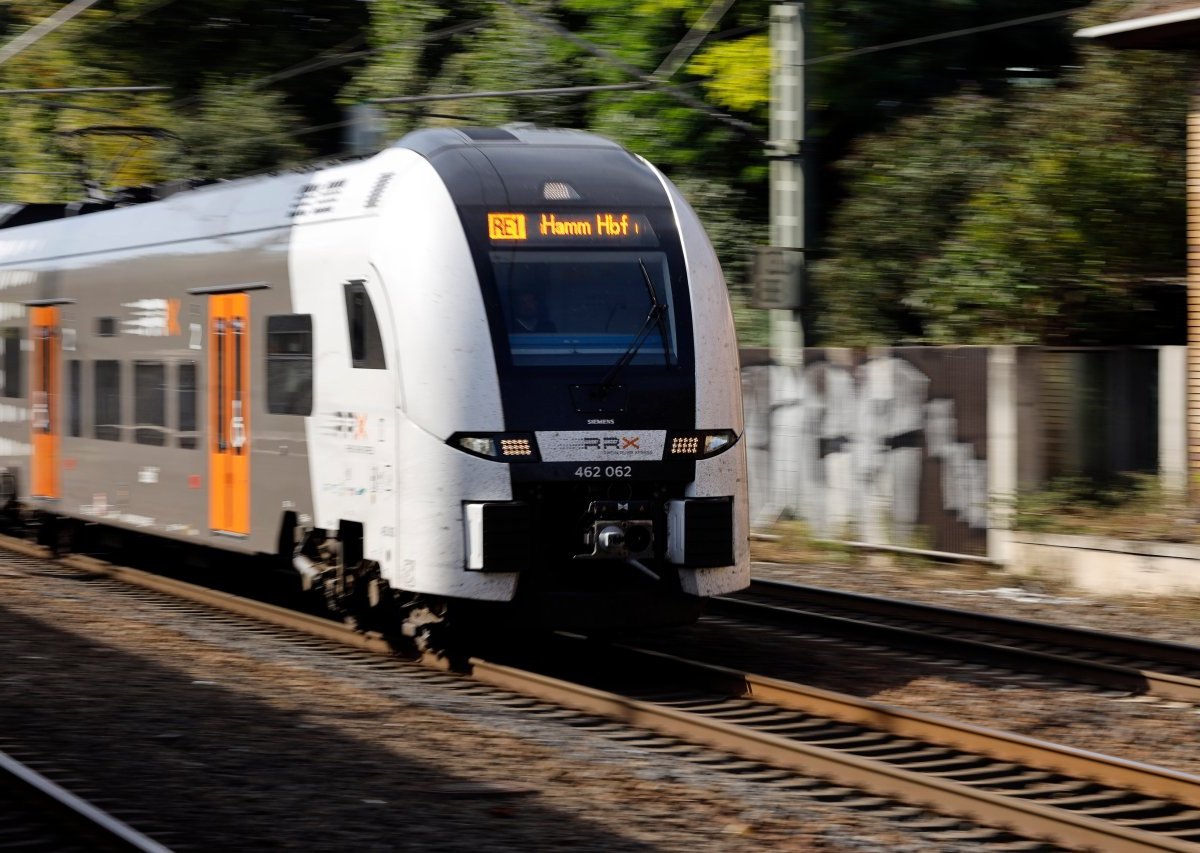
221,736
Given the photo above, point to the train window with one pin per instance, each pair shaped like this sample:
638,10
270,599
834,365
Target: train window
187,404
577,308
106,327
75,398
106,423
366,347
12,362
150,402
289,364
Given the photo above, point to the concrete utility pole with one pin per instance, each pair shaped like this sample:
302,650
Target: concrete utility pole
787,185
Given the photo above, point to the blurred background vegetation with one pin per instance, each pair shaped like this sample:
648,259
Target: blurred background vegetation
1013,185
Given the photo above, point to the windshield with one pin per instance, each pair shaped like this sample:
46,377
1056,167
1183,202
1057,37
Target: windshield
584,308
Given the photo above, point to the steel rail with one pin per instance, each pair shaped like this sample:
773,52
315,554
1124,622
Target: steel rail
279,616
1105,769
1024,817
1133,679
1123,645
85,820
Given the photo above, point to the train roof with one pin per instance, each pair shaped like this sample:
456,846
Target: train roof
498,167
524,165
427,142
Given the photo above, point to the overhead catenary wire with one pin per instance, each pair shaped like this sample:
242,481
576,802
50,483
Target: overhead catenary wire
653,81
677,91
744,127
55,105
318,64
967,31
80,90
511,93
321,61
690,42
126,17
44,28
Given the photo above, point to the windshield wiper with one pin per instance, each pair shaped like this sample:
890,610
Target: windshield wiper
654,317
661,317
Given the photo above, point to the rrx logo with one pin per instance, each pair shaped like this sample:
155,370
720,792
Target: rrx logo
608,442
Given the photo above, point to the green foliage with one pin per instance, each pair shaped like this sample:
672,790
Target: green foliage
238,129
954,205
793,542
738,73
720,170
733,238
511,53
49,165
1026,219
905,189
230,92
398,34
200,48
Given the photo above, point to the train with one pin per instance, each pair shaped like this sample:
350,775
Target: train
488,366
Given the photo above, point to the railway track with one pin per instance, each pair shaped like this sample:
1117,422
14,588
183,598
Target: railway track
1009,786
38,815
1128,664
1042,791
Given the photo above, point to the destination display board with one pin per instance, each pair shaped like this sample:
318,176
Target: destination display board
547,228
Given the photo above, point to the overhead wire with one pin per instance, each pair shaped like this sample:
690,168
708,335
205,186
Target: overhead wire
43,28
320,62
678,92
126,17
654,80
690,42
510,93
744,127
968,31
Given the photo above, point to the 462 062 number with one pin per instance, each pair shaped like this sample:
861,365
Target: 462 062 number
610,471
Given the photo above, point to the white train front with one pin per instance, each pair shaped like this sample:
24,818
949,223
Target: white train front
484,364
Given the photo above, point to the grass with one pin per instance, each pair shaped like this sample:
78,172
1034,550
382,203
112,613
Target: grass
790,542
1124,506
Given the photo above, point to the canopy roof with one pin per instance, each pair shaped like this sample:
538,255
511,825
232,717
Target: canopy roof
1155,24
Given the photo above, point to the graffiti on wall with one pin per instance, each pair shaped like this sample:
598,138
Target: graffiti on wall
886,446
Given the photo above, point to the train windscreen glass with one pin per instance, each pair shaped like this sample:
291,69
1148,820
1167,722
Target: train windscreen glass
586,307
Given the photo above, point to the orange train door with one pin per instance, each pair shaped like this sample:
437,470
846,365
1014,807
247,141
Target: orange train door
44,334
229,412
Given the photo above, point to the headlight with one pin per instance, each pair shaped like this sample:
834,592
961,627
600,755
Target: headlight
501,446
700,444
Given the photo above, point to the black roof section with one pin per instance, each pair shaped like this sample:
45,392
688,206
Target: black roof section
513,166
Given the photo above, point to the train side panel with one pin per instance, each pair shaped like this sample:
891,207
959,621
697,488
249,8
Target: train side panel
449,381
355,391
130,402
718,399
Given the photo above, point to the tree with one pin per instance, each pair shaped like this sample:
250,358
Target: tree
238,129
47,166
484,45
1024,219
286,46
240,76
905,192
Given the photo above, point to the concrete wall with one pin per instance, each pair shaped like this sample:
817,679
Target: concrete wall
927,447
885,446
1103,566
